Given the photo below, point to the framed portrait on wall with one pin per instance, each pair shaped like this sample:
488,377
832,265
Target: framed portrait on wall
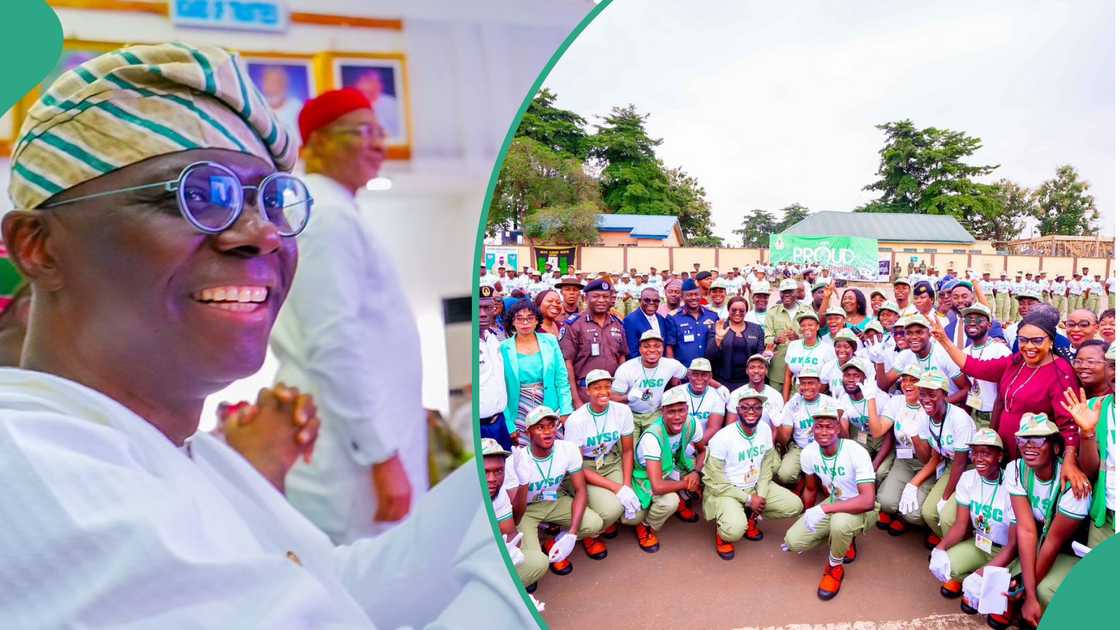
285,81
383,78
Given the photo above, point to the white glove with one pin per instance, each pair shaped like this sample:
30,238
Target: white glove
562,548
874,353
768,354
869,389
909,501
939,564
940,504
523,470
813,517
513,547
629,501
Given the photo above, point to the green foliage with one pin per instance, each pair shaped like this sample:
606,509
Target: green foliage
922,171
573,225
709,240
560,130
756,229
1015,205
791,215
1064,206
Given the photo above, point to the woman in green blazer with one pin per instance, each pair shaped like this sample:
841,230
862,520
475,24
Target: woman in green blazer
534,370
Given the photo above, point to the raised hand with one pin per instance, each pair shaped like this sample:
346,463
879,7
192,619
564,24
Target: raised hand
1078,407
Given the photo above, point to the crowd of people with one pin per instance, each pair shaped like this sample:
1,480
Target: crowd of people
978,411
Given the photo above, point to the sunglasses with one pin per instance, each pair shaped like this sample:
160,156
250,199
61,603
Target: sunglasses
1081,324
975,319
1031,341
1036,442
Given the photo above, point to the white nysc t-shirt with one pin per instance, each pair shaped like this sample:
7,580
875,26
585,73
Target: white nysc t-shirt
740,453
597,434
798,413
546,474
644,386
842,473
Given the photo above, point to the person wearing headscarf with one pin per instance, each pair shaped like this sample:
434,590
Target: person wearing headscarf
156,223
345,314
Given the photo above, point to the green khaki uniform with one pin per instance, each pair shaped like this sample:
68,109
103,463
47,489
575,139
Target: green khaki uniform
890,489
728,504
776,322
939,522
1047,586
558,512
643,421
839,529
1062,304
656,509
1003,305
1101,519
965,558
790,468
600,500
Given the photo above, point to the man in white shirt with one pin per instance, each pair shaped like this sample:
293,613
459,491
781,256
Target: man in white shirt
550,462
760,299
842,468
127,337
794,431
927,355
1058,293
491,374
981,398
343,316
641,381
738,478
757,368
1076,291
1095,292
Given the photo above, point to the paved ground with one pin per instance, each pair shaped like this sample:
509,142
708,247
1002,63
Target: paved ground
887,587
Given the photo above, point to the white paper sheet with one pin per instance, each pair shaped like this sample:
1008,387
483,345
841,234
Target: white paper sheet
993,590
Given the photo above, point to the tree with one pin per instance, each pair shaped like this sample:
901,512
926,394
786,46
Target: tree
708,240
534,178
1015,205
573,225
791,215
1064,206
924,172
632,180
757,228
694,212
558,129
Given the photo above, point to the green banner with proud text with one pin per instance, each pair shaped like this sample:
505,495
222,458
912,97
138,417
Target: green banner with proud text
851,257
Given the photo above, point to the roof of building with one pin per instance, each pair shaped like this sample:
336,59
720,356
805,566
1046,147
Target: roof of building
641,225
884,226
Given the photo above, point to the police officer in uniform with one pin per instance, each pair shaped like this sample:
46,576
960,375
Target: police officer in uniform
594,339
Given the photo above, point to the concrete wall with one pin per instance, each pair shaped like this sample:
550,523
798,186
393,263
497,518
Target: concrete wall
679,259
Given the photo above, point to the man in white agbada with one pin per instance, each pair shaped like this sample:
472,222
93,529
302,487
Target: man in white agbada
347,336
154,284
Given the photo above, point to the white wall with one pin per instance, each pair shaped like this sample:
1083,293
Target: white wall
470,65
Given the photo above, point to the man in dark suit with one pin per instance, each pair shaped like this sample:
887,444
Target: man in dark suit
646,318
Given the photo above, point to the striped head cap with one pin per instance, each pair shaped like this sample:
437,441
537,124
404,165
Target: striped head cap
139,102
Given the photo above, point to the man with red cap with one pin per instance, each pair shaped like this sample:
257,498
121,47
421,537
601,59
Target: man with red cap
347,337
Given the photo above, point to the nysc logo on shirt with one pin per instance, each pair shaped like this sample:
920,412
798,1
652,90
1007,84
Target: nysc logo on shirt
602,438
700,416
823,470
545,483
651,382
987,511
752,452
806,423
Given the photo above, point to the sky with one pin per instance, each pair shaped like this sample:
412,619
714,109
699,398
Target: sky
768,104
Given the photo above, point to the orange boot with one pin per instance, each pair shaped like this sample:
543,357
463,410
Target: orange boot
753,532
595,547
830,581
725,549
647,539
850,555
610,532
952,589
563,567
686,513
932,540
897,527
884,521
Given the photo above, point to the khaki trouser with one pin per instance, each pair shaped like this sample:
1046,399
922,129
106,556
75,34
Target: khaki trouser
643,421
1097,535
558,512
1062,304
890,490
600,500
965,557
1013,314
790,468
1003,306
660,509
1093,304
1111,300
730,514
872,447
1075,302
839,529
777,373
1063,564
939,522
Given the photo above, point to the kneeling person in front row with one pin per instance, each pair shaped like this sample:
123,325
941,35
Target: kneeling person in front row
843,468
738,474
663,468
548,462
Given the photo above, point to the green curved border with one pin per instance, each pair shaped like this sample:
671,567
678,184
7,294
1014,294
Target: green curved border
1087,596
474,291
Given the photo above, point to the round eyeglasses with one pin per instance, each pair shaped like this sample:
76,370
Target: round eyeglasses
211,198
